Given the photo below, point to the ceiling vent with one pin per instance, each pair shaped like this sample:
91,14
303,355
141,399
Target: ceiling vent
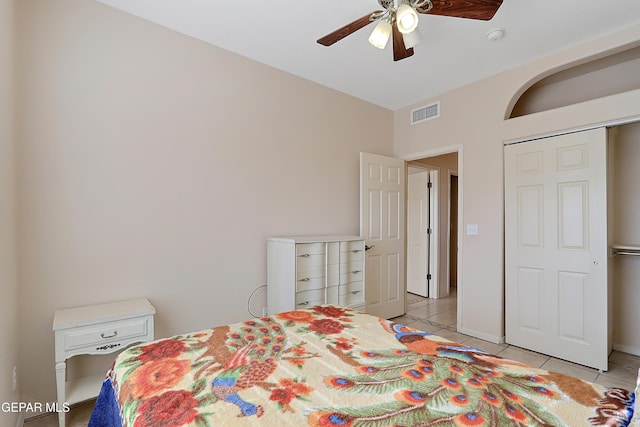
425,113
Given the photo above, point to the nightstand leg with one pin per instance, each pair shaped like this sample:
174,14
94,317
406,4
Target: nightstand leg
61,368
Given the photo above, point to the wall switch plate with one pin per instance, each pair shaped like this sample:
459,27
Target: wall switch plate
472,229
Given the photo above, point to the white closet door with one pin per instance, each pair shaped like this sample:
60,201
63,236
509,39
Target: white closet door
382,199
557,299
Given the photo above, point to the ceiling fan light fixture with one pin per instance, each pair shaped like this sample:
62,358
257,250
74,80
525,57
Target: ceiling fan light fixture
400,19
411,39
406,19
380,34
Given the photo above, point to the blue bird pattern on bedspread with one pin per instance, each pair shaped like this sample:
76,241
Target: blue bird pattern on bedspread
332,366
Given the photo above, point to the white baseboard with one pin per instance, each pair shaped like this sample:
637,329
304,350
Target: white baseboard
491,338
627,349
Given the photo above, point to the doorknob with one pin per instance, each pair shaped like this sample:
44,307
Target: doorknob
366,248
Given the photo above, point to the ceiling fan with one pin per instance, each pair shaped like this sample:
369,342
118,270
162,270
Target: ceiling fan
400,18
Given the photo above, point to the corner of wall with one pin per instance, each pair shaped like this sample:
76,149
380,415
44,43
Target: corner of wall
8,312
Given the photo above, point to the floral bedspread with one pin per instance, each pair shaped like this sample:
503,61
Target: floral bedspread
331,366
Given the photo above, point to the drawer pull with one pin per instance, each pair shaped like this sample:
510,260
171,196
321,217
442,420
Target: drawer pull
356,271
306,279
115,334
355,251
304,303
355,292
304,255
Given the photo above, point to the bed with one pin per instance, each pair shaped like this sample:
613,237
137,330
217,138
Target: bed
333,366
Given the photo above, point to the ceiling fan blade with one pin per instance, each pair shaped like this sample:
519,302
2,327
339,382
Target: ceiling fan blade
470,9
399,49
348,29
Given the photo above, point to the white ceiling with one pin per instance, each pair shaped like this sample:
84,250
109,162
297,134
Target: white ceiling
455,51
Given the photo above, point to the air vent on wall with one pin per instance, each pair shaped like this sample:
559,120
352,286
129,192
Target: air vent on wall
427,112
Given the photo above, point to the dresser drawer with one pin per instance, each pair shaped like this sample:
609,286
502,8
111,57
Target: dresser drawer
304,271
352,251
307,249
309,283
353,288
311,260
351,256
351,293
309,298
354,246
351,272
105,336
352,300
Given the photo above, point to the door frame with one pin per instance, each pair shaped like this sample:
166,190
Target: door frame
458,148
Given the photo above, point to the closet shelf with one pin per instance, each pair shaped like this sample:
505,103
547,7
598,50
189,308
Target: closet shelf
632,250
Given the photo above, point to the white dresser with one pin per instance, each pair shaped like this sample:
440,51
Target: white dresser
304,271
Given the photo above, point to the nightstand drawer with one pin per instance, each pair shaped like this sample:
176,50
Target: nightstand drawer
94,337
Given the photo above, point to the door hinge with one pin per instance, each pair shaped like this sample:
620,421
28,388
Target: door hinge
429,230
429,276
429,184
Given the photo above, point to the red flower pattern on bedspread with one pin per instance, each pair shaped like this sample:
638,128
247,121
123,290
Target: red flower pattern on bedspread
186,377
162,350
326,326
330,311
296,316
173,408
238,372
156,376
323,320
288,390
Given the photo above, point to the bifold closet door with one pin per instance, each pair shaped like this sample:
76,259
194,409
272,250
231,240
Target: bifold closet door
557,290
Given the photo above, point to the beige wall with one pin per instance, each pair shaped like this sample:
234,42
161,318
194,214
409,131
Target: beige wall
8,281
472,117
153,165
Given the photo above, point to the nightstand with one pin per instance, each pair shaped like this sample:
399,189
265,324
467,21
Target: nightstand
96,329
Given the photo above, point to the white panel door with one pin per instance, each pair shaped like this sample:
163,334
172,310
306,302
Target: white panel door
557,299
382,216
417,237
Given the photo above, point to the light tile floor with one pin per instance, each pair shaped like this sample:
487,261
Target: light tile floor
440,317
